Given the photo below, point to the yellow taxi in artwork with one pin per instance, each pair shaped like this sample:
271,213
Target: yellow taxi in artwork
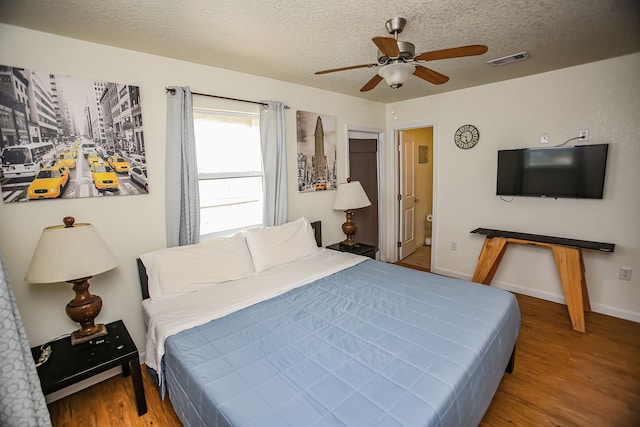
104,178
74,149
93,157
68,159
49,183
119,163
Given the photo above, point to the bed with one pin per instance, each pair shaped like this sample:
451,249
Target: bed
266,328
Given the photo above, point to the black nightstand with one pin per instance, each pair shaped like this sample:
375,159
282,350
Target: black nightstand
358,249
69,365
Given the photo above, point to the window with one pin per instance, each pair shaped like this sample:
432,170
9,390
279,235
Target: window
230,174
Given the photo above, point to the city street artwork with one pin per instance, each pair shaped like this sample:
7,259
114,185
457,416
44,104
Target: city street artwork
64,137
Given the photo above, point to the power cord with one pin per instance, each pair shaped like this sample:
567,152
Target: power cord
44,355
570,139
46,351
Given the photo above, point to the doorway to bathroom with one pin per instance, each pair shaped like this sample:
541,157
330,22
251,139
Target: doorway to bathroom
415,201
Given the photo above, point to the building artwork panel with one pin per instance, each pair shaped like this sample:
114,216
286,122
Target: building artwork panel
316,154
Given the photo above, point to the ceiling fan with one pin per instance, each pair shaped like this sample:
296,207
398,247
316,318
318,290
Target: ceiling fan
397,59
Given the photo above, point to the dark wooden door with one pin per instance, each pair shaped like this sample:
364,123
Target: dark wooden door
363,167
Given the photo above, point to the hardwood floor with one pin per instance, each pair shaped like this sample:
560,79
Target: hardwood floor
112,403
567,378
561,378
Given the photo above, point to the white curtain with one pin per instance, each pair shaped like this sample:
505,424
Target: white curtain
272,139
21,400
183,200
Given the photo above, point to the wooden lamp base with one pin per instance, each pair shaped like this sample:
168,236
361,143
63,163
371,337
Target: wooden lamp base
84,308
78,338
349,228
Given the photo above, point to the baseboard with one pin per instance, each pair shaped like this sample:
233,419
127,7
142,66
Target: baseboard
595,307
616,312
548,296
81,385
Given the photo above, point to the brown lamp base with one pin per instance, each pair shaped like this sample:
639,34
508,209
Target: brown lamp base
78,338
349,228
83,309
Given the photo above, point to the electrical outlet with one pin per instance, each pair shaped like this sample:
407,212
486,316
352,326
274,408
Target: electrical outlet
544,138
454,245
583,135
625,274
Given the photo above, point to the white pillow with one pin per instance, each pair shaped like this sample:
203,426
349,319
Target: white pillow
184,269
281,244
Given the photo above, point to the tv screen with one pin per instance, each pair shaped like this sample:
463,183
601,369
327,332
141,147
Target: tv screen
569,172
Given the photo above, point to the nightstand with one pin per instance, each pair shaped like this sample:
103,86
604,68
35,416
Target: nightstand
68,364
358,249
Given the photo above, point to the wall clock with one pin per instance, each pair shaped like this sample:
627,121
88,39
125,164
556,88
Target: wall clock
466,136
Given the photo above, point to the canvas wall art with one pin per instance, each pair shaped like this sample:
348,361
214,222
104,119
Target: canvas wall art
423,154
316,156
63,137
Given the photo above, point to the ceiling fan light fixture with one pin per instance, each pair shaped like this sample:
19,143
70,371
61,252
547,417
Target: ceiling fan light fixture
396,74
397,59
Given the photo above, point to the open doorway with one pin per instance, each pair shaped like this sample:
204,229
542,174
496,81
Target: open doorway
415,201
363,166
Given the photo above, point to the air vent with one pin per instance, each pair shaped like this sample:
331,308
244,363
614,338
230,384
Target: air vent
509,59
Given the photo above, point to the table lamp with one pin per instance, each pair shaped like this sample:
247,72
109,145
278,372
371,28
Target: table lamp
73,253
350,196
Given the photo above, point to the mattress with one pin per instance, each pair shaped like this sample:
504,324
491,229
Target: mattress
371,345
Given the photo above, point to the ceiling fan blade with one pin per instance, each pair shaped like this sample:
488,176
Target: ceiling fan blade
371,83
429,75
352,67
454,52
388,46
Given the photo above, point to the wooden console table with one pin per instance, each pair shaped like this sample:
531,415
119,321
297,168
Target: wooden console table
567,256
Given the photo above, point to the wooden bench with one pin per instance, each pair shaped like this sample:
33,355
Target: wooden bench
566,254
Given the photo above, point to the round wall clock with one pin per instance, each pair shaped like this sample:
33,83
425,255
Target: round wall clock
466,136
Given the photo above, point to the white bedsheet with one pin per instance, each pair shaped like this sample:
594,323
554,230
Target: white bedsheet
170,316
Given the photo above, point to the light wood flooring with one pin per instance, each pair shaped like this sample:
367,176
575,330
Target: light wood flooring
420,259
561,378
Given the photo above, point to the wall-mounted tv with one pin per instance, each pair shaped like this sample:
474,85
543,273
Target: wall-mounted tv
569,172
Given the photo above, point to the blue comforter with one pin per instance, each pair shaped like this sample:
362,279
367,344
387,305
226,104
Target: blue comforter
372,345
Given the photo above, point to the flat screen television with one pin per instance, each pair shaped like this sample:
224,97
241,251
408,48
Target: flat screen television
568,172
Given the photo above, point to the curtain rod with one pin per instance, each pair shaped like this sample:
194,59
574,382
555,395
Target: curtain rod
173,92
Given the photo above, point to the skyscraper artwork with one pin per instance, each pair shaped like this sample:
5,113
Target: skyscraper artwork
316,157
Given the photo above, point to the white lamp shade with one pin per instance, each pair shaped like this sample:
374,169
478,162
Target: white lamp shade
396,74
351,195
69,253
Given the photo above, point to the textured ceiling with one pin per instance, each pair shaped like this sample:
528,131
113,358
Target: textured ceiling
291,39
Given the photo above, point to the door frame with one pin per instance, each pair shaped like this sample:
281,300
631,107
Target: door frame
394,136
380,135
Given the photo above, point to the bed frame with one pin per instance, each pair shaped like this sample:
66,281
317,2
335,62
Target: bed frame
142,271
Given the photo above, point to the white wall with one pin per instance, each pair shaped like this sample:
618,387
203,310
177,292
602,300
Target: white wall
132,225
603,97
